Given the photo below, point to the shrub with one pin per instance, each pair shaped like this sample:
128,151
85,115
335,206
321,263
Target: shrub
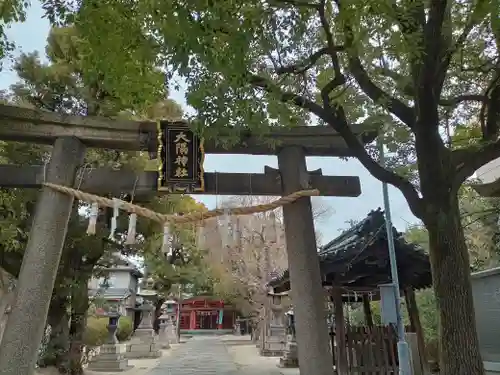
96,331
125,328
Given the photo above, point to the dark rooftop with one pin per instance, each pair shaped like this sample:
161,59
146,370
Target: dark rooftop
359,259
110,293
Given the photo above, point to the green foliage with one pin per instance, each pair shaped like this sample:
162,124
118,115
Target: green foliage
125,328
10,11
96,331
479,218
185,267
417,70
281,63
418,235
62,86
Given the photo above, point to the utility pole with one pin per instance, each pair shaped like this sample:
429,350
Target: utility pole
403,350
178,320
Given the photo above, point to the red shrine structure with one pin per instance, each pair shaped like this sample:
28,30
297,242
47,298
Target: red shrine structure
204,314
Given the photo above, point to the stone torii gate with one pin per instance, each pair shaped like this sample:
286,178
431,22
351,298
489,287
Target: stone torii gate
71,135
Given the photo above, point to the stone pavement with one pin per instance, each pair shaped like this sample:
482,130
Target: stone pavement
249,362
199,355
203,355
226,355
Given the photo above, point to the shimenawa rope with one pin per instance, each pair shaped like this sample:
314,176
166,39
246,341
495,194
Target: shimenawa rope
188,218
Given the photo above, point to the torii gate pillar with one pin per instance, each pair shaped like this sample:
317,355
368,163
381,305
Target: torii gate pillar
26,323
305,278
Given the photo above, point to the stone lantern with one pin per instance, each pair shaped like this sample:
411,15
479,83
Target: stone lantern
111,357
149,297
273,334
163,336
290,356
114,317
143,343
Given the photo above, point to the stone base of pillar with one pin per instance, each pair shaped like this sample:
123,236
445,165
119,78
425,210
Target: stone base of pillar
111,358
143,345
271,353
162,337
290,357
273,345
164,345
171,333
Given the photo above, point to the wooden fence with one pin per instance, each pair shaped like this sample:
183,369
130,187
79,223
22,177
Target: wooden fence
372,351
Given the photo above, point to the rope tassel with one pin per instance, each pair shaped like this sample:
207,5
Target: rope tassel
166,248
94,212
132,222
114,219
184,219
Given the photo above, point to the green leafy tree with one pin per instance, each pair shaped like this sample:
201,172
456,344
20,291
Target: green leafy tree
416,70
479,217
10,11
61,86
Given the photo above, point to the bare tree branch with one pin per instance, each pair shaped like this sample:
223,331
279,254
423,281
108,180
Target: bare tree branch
376,170
296,3
469,160
476,16
450,102
409,90
335,118
286,97
252,252
308,63
339,78
427,72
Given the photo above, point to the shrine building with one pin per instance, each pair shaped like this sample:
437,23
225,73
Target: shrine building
204,314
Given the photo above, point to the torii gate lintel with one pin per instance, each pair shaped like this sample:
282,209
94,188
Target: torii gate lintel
23,334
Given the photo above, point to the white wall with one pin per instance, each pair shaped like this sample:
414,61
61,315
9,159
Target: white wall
117,279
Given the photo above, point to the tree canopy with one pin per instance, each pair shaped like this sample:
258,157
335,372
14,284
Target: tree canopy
424,73
62,86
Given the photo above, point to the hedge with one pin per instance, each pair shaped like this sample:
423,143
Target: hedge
96,331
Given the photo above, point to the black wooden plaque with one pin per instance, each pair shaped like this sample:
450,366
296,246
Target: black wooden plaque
180,156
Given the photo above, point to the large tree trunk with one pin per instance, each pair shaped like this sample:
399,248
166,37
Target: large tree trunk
459,345
79,308
157,314
58,345
452,284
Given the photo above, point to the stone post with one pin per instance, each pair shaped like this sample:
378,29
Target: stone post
305,278
274,331
26,324
171,332
112,328
163,338
237,328
143,343
290,356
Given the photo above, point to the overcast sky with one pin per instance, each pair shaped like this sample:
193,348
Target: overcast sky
31,36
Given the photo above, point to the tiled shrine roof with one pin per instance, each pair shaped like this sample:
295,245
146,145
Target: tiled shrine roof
359,258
